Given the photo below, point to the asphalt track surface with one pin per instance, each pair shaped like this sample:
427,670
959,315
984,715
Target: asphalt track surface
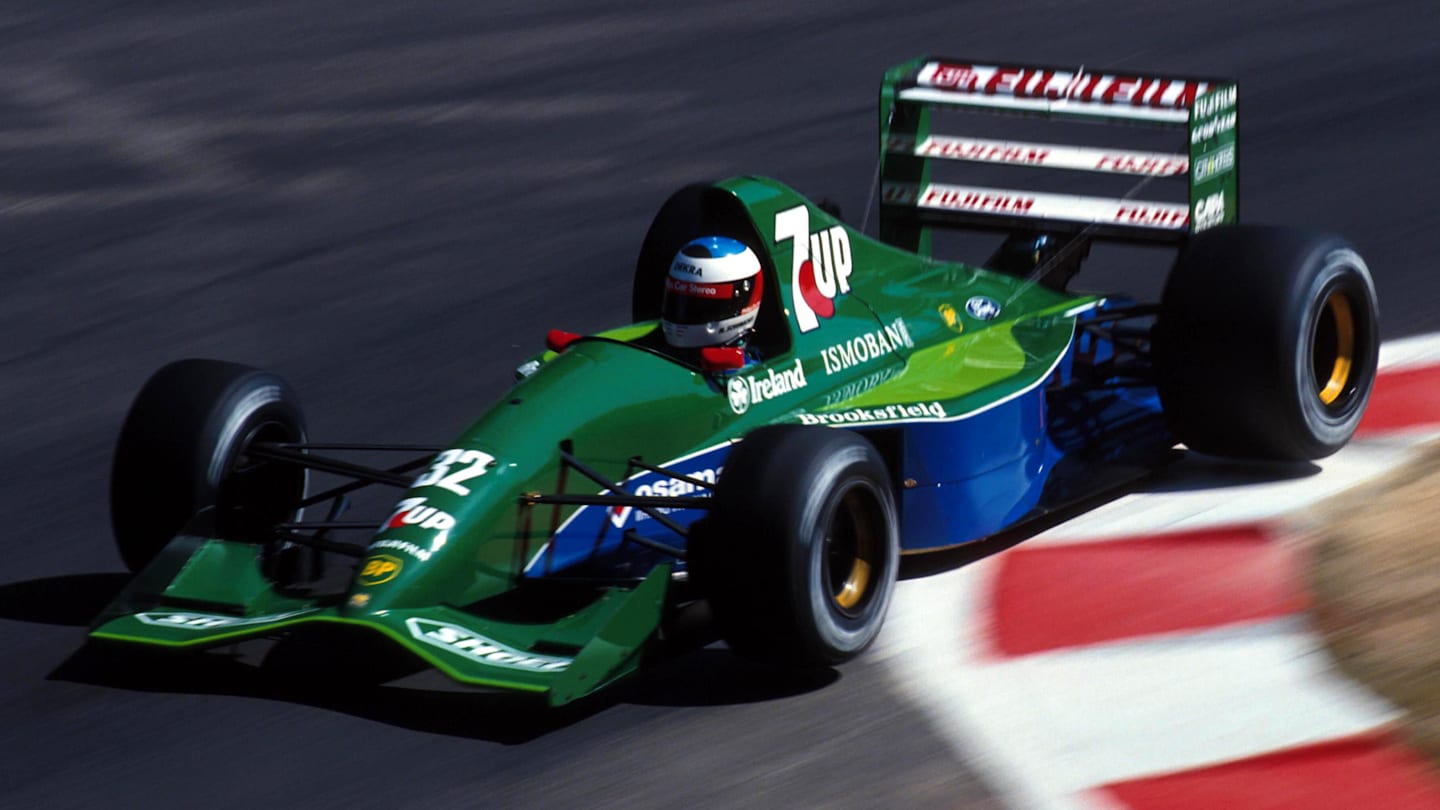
389,203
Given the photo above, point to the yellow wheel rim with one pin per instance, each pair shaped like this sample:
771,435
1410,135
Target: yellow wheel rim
1340,319
855,585
853,550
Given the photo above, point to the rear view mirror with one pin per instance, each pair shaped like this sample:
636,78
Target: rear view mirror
557,340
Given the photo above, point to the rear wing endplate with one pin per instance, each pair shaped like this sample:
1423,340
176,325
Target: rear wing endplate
912,204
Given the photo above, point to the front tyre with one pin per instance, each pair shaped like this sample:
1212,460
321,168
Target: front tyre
1267,343
182,450
799,554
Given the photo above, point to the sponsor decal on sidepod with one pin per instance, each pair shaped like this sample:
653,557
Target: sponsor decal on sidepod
747,391
860,386
866,347
666,488
886,413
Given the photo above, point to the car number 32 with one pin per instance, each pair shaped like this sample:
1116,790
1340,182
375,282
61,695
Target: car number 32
453,467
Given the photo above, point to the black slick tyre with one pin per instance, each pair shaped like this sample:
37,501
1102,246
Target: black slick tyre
1267,343
182,450
798,557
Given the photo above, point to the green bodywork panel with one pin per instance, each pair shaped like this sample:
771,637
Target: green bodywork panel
584,651
614,396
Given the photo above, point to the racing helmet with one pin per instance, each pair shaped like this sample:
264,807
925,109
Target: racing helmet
712,293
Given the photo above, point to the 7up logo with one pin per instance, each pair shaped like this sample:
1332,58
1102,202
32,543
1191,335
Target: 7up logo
819,268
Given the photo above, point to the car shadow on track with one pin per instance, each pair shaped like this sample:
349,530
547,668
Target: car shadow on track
493,717
1195,472
714,676
706,677
360,681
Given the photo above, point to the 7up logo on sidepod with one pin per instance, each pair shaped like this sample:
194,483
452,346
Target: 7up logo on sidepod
820,267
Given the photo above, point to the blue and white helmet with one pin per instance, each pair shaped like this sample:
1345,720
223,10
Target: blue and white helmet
712,293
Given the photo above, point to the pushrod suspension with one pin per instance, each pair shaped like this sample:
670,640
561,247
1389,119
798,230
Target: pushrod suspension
584,470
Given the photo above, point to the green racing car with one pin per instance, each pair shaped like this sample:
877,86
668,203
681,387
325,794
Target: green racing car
874,401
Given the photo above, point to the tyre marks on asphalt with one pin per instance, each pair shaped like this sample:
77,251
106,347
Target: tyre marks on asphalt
144,153
123,126
1154,652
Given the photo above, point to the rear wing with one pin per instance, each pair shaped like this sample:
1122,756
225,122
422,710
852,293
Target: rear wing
912,203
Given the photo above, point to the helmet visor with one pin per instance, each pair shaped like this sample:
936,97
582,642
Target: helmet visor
696,302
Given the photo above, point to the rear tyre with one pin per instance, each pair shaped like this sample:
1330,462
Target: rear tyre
1267,343
799,554
182,450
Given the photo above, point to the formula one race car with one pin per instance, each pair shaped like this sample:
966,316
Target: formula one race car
887,403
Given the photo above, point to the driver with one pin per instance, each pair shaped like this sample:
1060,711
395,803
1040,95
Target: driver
712,294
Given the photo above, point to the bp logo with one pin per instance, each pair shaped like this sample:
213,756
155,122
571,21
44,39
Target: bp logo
379,570
982,308
739,395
